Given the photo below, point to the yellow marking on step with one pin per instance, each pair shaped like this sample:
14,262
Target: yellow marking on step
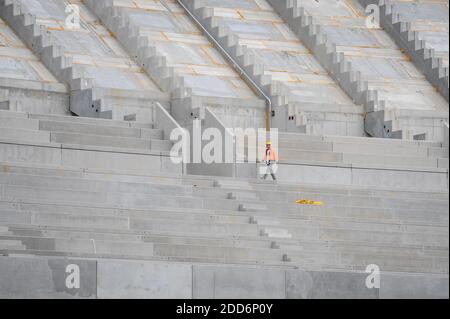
309,202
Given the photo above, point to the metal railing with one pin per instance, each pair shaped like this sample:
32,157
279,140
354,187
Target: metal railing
240,70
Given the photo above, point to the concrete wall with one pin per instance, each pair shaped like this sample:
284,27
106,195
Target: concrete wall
46,278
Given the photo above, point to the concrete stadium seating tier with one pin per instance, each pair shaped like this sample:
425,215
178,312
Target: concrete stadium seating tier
370,67
25,83
305,98
103,80
105,195
421,29
88,143
161,236
164,41
363,162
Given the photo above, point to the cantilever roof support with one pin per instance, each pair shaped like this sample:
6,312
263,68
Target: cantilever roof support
238,68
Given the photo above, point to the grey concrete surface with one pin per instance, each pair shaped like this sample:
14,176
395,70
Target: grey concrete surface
421,29
305,98
105,279
88,59
102,192
198,78
45,278
349,53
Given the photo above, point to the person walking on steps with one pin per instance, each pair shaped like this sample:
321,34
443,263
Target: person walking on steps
270,160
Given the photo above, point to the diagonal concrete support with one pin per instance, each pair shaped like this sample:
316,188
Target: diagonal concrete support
380,121
84,101
303,25
146,53
423,56
277,91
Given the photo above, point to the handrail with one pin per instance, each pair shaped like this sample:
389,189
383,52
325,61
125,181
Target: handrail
240,70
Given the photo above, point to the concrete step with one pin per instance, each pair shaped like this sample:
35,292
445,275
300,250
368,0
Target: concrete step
289,197
179,214
404,203
350,224
147,249
278,202
87,120
377,220
361,260
250,184
273,232
242,195
7,114
151,225
30,169
86,233
4,230
405,159
174,227
306,155
357,248
5,105
438,240
238,241
390,161
71,190
123,200
11,244
99,140
19,123
95,159
72,183
381,150
251,207
82,244
380,141
439,152
308,231
97,129
400,218
149,189
127,236
24,135
171,259
368,226
234,184
304,144
370,201
225,254
381,215
368,144
87,246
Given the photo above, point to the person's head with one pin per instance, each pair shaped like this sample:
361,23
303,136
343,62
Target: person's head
268,144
